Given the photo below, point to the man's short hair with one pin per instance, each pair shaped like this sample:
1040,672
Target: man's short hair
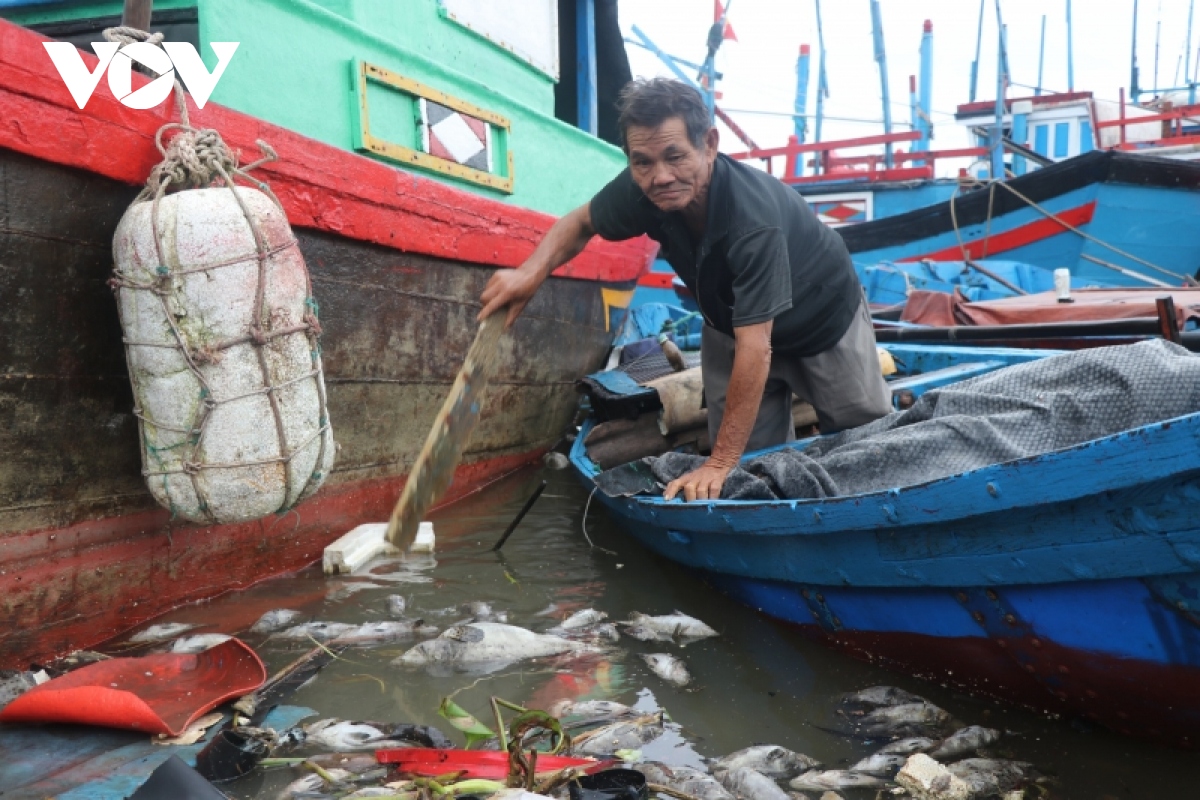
649,102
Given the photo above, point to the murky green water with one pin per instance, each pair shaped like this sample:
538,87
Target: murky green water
759,682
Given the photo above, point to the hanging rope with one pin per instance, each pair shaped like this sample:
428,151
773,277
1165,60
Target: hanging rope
198,158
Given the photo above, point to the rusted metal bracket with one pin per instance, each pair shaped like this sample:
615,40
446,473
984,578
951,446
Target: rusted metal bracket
820,610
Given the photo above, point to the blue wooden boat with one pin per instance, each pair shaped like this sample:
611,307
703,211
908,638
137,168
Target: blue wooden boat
1067,582
888,283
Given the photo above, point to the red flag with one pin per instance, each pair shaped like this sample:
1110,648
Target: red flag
718,12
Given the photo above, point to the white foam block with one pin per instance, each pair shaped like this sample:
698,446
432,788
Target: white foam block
366,542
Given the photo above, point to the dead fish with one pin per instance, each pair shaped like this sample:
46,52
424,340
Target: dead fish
629,735
749,784
347,588
769,759
833,779
396,606
353,763
882,764
162,632
198,643
667,627
992,776
590,709
383,632
684,779
275,620
604,632
321,631
668,667
582,619
486,642
876,696
343,736
906,747
967,740
310,784
480,611
909,719
555,460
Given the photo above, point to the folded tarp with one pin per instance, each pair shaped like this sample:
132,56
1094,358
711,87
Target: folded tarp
1012,413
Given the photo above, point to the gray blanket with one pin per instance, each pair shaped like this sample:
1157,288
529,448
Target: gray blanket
1012,413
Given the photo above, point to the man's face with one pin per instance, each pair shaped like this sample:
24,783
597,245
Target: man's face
667,167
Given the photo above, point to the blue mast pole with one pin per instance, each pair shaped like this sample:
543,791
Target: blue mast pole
975,63
822,85
1134,89
997,134
585,64
801,104
925,101
1187,54
1037,91
666,59
1070,52
881,59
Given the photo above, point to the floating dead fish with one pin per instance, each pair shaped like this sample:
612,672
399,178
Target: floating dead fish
396,606
909,719
480,611
198,643
604,632
684,779
884,765
666,628
876,696
382,632
668,667
321,631
582,619
629,735
486,642
590,709
749,784
906,747
769,759
967,740
160,633
344,736
555,460
834,779
309,785
275,620
992,776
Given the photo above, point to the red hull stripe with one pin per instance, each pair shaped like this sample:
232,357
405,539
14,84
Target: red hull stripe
1012,239
99,578
657,280
320,186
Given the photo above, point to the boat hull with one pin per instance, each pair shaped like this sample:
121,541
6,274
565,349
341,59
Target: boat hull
1068,582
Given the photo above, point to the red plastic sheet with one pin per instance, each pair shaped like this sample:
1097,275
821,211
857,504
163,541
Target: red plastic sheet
476,763
161,693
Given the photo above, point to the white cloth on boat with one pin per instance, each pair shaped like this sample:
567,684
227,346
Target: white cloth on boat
1012,413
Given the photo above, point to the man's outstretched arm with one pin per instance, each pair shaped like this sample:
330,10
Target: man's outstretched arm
751,363
515,287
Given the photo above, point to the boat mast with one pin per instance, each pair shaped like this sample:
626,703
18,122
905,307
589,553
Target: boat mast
136,14
822,85
585,66
881,59
996,143
925,102
975,63
1134,90
1070,53
1037,90
801,104
1187,56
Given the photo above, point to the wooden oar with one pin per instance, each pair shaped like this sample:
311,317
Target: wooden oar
434,469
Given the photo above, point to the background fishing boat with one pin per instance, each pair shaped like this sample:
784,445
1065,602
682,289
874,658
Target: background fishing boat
408,177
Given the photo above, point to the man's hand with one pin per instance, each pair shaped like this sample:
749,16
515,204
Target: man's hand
508,287
700,484
515,287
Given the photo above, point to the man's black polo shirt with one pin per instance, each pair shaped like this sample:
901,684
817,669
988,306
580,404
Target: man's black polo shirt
764,255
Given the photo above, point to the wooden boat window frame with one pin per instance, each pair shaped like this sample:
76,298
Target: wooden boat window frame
365,141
